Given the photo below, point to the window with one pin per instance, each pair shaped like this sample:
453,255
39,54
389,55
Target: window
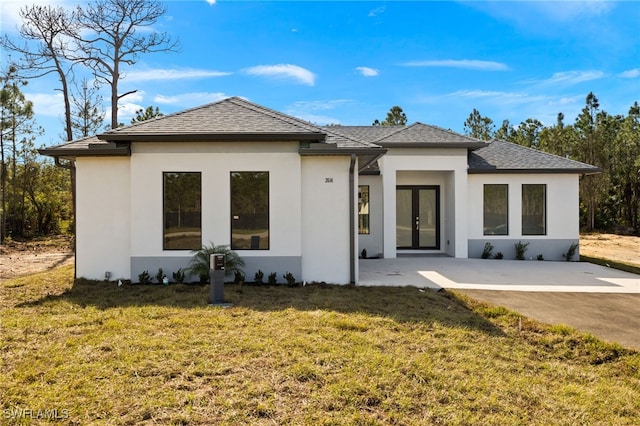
496,211
250,210
363,209
182,212
534,209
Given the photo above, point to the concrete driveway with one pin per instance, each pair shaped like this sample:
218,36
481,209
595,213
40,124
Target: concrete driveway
592,298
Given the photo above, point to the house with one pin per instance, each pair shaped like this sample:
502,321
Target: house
290,196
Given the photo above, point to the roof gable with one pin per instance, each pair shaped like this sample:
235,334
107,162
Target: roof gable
232,117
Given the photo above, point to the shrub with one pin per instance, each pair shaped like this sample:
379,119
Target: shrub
238,277
199,263
178,276
144,277
258,277
488,249
273,278
540,257
521,249
570,252
289,278
363,254
160,275
499,255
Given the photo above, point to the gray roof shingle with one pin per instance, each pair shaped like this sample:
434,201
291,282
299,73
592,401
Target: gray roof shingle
506,157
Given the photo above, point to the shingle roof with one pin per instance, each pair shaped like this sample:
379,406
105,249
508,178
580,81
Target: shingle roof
231,116
506,157
417,134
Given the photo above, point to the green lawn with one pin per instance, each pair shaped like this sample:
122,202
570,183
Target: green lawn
98,353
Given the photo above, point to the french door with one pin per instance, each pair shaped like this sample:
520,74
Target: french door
418,217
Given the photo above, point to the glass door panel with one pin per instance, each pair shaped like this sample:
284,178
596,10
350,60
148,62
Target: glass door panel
404,218
427,213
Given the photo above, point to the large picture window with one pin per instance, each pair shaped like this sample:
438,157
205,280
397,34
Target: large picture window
182,212
496,209
250,210
363,209
534,209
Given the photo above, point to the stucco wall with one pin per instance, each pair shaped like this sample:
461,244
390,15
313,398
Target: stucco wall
102,223
372,242
326,212
215,162
444,167
562,215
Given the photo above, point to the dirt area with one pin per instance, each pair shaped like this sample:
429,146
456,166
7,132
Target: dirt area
622,248
22,258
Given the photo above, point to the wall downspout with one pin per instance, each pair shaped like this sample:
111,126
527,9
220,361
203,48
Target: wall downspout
352,228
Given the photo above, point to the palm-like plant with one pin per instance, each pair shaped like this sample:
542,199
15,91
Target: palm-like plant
199,263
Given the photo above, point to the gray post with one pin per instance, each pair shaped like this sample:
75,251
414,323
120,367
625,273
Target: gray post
216,275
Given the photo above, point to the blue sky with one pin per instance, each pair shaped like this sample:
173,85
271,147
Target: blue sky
349,62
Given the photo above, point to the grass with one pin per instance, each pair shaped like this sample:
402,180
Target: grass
103,354
616,264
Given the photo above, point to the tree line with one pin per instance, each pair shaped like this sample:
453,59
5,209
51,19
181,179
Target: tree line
101,40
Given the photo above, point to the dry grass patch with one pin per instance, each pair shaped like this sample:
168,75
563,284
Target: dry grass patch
311,355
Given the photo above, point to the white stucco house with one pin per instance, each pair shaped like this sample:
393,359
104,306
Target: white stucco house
290,196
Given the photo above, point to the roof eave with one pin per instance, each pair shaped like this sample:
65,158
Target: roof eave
589,171
70,153
213,137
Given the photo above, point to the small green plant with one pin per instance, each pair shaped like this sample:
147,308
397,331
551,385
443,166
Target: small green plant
499,255
273,278
521,249
363,254
160,275
540,257
289,278
238,277
258,277
144,277
568,256
487,251
178,276
199,263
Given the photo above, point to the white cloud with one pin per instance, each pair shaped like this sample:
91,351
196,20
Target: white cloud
172,74
301,75
190,99
368,72
377,11
127,110
137,96
318,105
633,73
10,11
471,64
47,104
211,2
570,77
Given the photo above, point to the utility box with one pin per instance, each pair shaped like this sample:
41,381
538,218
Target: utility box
216,275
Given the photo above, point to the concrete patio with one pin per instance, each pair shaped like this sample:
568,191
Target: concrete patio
502,275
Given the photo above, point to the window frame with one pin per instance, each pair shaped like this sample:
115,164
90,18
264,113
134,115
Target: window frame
368,214
484,212
164,211
544,209
231,211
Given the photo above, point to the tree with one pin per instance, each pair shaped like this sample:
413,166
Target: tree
395,117
50,30
527,133
87,114
505,131
112,38
17,129
146,114
479,127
